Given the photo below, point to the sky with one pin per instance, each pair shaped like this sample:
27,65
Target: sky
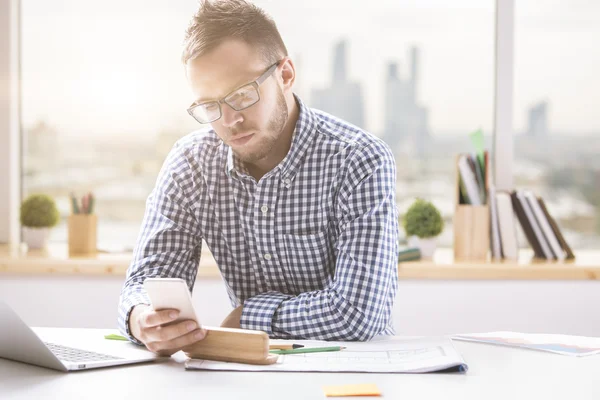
113,67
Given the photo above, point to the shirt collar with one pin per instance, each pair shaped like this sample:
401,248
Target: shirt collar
234,165
304,132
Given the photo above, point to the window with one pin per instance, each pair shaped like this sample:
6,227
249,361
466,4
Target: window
419,74
104,94
557,129
104,98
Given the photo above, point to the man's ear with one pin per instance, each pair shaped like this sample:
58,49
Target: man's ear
288,73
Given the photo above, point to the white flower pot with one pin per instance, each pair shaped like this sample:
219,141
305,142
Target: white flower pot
36,238
425,245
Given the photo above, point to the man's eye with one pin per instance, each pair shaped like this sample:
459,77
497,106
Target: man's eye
211,107
240,95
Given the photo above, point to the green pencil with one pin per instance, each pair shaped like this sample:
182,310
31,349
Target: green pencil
307,350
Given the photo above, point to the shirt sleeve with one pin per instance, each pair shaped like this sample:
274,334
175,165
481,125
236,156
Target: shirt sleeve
169,244
357,305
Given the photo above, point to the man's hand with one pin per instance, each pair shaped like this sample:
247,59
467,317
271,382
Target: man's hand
152,328
233,319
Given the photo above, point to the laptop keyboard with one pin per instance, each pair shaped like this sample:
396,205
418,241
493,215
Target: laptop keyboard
71,354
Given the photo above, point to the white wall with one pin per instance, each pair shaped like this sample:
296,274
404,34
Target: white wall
422,308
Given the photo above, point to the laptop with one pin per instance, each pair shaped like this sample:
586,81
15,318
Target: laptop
19,342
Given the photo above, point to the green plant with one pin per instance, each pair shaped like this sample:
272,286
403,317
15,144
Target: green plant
423,219
39,211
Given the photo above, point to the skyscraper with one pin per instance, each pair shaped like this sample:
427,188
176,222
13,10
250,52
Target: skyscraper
405,120
343,98
538,120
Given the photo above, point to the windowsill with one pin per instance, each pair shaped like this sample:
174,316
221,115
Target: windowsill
55,261
586,266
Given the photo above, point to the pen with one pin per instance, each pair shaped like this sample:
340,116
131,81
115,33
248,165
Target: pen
91,203
285,346
307,350
84,204
74,205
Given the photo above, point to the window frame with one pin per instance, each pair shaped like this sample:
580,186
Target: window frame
11,129
10,124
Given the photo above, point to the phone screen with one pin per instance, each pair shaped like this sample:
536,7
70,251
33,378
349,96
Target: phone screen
171,293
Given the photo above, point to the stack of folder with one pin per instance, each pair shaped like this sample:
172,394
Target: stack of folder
409,254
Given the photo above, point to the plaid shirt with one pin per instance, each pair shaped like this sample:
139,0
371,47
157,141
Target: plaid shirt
310,250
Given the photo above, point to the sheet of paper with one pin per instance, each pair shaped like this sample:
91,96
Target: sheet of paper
384,355
578,346
365,389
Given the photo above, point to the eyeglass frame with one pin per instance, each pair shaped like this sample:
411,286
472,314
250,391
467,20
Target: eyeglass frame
256,84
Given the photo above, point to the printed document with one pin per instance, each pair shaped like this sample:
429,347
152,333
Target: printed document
577,346
383,354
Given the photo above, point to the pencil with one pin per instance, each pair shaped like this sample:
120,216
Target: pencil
307,350
285,346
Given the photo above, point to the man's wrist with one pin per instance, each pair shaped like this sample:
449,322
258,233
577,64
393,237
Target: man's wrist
258,311
134,327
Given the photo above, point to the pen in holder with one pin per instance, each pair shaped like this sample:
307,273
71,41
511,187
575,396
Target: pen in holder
472,213
83,226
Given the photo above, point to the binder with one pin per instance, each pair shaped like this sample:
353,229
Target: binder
557,232
527,228
549,235
506,221
536,228
496,243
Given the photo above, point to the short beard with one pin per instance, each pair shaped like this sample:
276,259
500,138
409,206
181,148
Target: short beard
275,127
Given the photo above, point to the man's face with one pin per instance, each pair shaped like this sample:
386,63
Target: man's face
253,132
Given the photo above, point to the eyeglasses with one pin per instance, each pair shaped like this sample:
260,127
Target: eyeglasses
239,99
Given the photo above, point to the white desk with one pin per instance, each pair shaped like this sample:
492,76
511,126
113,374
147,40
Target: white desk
495,373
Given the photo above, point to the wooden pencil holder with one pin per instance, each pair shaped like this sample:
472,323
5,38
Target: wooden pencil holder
233,345
82,234
471,227
471,232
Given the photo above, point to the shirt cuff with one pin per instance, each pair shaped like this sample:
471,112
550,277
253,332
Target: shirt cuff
258,311
133,300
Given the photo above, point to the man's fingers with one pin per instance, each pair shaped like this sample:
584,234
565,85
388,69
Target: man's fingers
170,332
151,318
164,339
176,344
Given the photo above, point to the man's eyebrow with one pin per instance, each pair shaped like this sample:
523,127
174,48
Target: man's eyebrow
237,86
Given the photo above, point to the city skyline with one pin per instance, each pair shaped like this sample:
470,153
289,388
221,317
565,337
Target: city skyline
128,78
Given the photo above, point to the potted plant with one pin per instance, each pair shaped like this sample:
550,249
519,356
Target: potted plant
38,215
423,223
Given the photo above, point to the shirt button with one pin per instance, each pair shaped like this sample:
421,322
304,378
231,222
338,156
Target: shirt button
264,209
287,181
267,256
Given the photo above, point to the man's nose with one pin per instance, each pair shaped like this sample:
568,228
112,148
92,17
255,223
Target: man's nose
229,116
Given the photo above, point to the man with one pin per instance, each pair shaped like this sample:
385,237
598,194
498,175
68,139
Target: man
297,206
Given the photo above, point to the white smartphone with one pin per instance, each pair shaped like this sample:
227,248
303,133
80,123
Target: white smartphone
171,293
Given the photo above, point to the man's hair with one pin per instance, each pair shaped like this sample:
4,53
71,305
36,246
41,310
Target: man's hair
220,20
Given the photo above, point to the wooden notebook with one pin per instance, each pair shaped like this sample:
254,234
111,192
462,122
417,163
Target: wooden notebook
233,345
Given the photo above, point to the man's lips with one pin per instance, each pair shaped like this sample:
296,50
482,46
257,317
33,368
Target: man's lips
241,139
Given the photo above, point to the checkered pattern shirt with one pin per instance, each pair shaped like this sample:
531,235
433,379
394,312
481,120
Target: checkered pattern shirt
310,250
